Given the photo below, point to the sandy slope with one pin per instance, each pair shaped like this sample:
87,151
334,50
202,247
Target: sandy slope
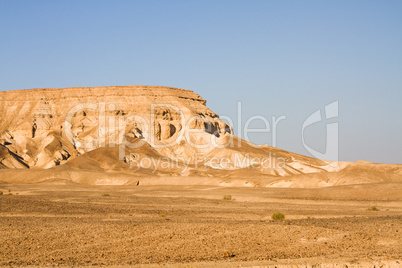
102,166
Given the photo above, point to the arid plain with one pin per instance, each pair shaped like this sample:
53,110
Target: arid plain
194,226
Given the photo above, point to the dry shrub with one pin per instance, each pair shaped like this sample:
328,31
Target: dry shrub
278,216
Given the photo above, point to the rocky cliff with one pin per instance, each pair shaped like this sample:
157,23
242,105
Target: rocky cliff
45,127
115,135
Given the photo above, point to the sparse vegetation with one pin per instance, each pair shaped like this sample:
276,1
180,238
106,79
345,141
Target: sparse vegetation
162,215
227,197
278,216
105,194
1,193
373,208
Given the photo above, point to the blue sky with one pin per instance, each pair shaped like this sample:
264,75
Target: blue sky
276,57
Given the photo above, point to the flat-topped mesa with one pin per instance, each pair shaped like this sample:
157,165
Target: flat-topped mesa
94,93
117,134
34,122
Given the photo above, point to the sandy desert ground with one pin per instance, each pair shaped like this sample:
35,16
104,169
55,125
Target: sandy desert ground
193,226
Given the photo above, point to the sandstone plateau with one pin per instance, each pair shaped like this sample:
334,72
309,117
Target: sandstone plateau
149,135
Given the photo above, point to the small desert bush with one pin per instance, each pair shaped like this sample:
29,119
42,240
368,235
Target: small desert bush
162,215
227,197
105,194
1,193
278,216
374,208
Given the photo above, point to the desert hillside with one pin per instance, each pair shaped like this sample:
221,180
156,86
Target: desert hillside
148,135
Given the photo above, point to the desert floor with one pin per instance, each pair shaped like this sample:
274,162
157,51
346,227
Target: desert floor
193,226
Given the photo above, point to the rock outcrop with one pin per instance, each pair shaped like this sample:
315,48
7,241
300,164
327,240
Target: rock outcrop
107,135
46,127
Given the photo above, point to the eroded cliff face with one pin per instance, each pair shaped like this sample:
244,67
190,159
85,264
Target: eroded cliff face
46,127
121,135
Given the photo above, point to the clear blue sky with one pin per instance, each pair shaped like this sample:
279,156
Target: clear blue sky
277,57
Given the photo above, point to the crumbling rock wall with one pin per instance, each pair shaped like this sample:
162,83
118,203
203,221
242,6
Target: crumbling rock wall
45,127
